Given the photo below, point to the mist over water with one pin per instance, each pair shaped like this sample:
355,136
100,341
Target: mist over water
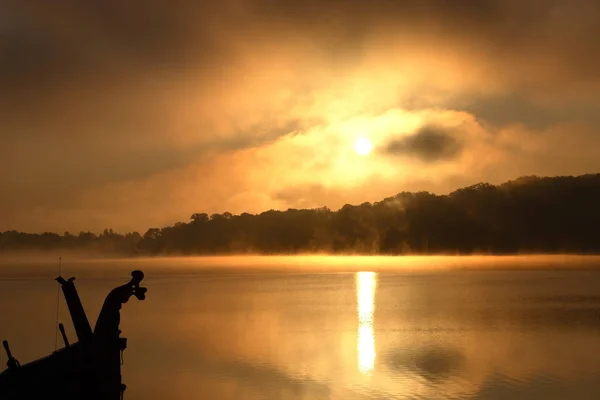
319,327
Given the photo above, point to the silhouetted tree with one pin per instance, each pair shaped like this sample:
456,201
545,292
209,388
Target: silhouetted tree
529,214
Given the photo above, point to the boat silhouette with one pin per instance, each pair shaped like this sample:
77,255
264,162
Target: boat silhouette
87,369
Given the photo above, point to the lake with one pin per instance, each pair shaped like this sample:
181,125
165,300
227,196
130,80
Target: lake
332,327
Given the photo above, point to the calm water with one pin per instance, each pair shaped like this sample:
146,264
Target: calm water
405,332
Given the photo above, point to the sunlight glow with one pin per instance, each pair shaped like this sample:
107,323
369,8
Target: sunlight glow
363,146
366,284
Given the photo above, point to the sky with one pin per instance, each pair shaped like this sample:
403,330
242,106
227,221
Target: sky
137,114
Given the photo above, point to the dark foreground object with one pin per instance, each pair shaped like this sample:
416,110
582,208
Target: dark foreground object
87,369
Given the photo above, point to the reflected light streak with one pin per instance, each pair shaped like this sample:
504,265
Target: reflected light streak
366,283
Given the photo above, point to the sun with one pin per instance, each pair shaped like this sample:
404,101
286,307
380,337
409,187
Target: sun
363,146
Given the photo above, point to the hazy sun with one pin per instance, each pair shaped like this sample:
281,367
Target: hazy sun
363,146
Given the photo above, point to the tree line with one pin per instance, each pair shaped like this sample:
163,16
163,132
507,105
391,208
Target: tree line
526,215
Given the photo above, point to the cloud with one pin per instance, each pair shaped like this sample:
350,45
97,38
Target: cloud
429,144
111,97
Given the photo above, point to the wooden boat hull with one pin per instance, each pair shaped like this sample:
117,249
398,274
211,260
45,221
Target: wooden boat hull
88,369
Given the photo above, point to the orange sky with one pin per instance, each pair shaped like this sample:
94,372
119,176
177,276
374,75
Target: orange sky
132,116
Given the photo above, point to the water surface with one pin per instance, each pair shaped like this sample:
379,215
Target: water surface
287,328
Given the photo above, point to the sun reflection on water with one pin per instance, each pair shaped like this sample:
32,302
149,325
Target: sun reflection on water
366,284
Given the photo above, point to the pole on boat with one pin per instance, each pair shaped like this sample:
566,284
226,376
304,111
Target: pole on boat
80,321
7,348
56,325
61,327
12,362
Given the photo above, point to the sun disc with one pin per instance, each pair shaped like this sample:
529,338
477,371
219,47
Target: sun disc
363,146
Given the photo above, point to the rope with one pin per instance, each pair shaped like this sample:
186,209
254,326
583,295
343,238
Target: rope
57,305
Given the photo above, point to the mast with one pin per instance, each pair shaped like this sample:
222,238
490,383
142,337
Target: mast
80,321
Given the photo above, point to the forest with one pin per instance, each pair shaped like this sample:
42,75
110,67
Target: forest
527,215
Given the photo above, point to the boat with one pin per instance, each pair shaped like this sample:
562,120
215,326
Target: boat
87,369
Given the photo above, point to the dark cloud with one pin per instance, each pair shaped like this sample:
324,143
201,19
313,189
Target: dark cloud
517,108
514,109
429,143
92,38
70,45
551,36
96,40
362,14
